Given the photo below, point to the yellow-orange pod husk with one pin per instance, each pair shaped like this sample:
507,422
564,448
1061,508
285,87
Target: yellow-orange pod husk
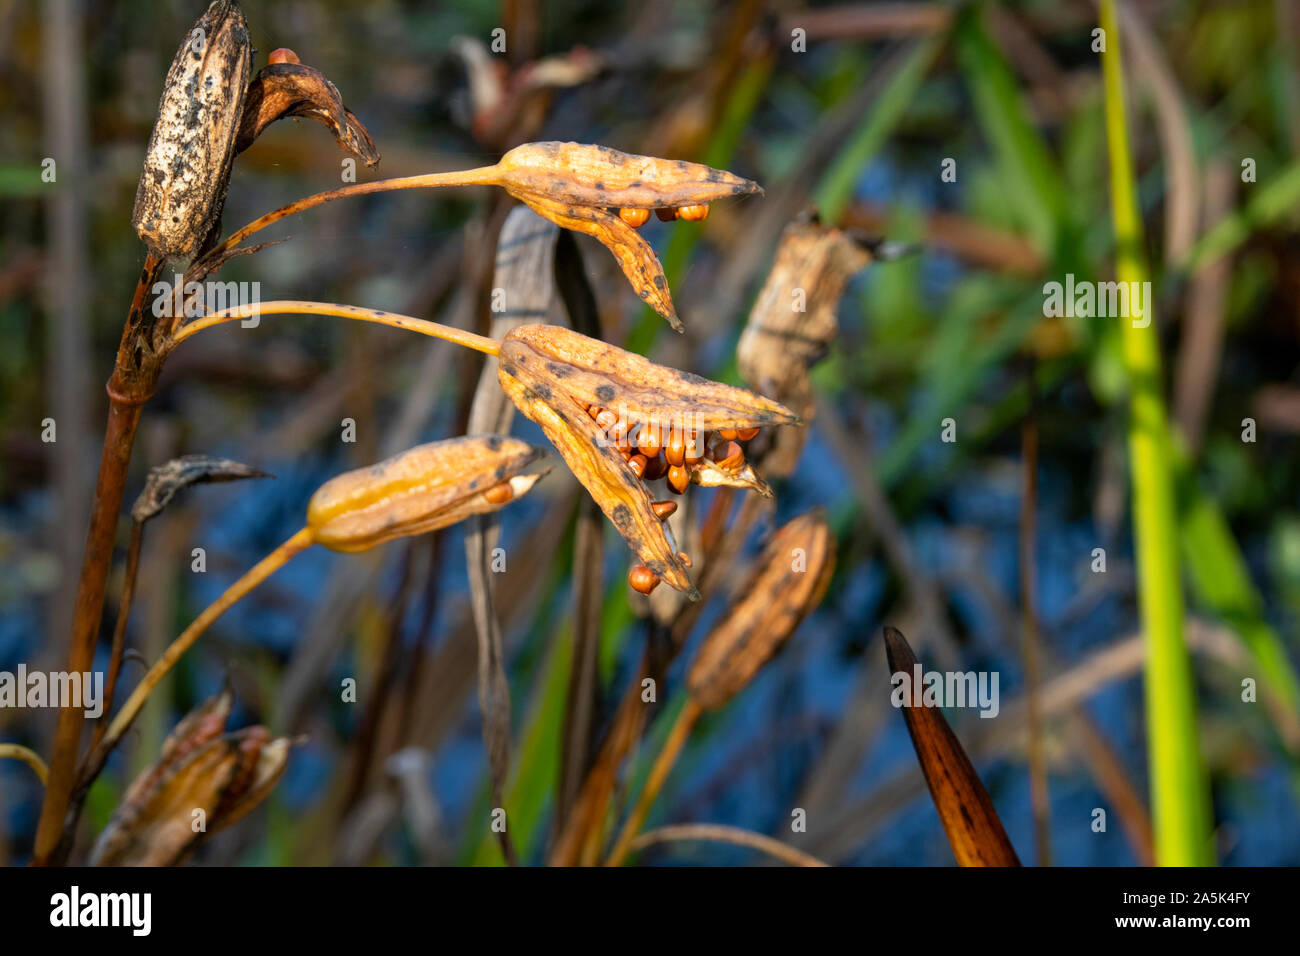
425,488
588,175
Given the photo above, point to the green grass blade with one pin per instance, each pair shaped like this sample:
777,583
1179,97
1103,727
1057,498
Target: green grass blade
1180,797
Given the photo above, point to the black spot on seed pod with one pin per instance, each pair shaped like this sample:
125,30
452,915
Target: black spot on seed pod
622,516
509,369
494,442
605,393
542,391
558,370
500,472
660,282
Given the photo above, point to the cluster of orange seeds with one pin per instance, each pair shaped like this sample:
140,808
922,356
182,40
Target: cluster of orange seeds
637,217
653,450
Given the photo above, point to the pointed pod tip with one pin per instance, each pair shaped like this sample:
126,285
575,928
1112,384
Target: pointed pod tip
897,651
693,594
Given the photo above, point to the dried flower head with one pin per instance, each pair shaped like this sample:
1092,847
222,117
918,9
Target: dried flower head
788,581
591,189
425,488
187,166
201,769
604,408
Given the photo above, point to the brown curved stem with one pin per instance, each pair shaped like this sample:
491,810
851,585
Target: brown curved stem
483,176
119,640
718,833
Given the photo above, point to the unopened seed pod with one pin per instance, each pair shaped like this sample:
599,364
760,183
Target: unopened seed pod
187,166
423,489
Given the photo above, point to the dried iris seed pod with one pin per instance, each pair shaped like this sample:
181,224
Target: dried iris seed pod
597,190
588,396
187,166
201,767
787,582
425,488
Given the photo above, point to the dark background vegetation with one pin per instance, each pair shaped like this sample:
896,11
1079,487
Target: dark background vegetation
858,124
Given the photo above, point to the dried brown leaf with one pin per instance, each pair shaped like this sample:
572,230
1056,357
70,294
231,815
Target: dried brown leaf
165,480
789,580
291,89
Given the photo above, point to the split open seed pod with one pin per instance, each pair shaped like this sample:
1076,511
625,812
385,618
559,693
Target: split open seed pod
789,580
182,190
780,345
582,187
425,488
203,775
288,88
554,375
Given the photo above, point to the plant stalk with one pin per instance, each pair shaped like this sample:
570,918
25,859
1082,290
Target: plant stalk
1179,792
27,756
663,765
479,343
300,541
135,373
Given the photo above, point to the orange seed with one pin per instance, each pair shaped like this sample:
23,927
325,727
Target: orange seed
636,218
642,579
678,478
664,509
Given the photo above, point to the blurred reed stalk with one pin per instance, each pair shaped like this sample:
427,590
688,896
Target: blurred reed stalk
1179,792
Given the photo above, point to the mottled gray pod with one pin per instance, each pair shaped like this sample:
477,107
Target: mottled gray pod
187,167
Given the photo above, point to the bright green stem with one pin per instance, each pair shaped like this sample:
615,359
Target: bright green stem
1179,792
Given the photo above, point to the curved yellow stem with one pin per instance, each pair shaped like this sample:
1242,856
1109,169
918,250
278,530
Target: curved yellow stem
255,575
469,340
29,757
